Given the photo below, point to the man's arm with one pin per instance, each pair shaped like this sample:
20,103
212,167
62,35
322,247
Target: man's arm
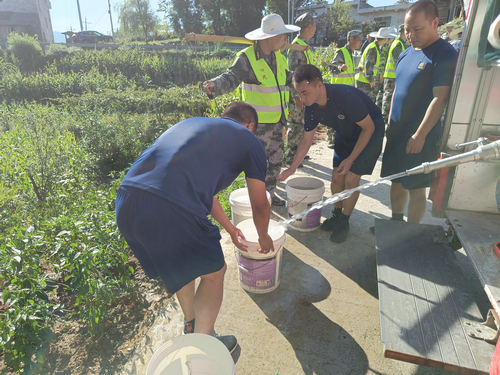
432,115
392,99
220,216
261,212
241,70
302,150
367,128
370,61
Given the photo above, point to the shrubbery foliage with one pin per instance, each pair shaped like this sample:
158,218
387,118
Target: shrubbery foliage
71,122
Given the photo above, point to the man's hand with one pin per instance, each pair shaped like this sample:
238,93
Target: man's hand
344,67
285,174
209,88
298,103
344,167
415,144
266,244
236,235
360,69
372,83
381,77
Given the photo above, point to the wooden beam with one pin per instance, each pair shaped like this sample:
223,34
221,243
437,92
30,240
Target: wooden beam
232,39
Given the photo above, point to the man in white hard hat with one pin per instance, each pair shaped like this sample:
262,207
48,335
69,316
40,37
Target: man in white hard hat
264,78
450,26
307,24
365,79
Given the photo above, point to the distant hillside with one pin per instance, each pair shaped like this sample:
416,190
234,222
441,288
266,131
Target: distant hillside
59,37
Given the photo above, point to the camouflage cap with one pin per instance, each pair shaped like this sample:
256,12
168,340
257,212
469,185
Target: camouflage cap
401,27
304,20
355,34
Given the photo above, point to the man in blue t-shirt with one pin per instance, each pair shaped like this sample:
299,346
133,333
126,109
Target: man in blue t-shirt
359,127
424,76
164,199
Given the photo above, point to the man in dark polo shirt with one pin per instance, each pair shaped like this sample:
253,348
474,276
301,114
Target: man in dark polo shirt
165,197
359,127
424,76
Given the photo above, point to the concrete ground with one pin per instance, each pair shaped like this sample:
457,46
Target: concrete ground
324,317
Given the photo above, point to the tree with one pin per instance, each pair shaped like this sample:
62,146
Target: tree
341,22
137,19
184,15
229,17
281,6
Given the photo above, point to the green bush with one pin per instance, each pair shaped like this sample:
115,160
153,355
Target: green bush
25,49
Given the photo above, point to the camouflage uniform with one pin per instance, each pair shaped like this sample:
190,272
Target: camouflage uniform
295,122
389,84
271,135
370,61
379,85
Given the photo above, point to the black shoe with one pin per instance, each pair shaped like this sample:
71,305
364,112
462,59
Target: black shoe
329,223
188,326
307,157
340,231
229,342
276,201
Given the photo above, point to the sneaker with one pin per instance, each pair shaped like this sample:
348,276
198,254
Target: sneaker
276,201
339,233
307,157
229,342
188,326
329,223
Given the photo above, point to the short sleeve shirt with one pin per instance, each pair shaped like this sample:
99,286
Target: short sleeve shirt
346,105
195,159
417,73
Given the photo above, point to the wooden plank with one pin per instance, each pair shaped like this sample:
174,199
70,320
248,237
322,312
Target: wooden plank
233,39
426,309
478,232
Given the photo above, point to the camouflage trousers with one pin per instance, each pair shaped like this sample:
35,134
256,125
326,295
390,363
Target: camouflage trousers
294,132
273,139
379,90
389,84
367,89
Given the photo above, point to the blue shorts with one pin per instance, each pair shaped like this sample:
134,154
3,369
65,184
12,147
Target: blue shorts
168,240
366,160
395,160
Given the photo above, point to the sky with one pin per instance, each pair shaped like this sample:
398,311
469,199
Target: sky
64,13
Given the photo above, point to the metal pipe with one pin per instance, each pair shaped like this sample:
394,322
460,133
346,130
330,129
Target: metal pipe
490,151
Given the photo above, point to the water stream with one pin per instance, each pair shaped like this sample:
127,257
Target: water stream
340,197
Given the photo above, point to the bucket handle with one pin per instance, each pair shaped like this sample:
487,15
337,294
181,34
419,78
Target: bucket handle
256,268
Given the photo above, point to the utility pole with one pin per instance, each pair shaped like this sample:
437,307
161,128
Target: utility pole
111,20
86,24
79,14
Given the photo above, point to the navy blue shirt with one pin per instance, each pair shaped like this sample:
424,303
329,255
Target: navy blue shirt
346,106
417,73
195,159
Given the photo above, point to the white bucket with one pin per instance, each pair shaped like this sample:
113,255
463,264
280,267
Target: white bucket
258,272
192,354
240,205
302,193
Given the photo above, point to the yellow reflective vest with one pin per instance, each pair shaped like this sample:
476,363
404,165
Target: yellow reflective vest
390,67
268,98
360,76
347,77
308,53
287,92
